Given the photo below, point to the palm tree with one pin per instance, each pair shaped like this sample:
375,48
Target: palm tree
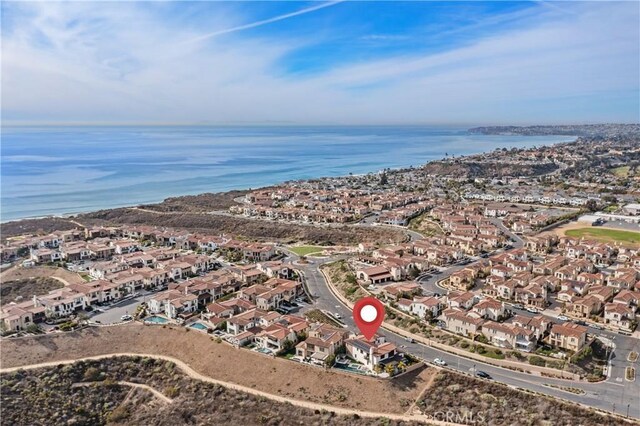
389,369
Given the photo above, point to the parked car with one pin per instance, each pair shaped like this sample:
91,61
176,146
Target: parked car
532,310
596,326
410,340
337,315
439,362
126,318
563,318
483,375
518,306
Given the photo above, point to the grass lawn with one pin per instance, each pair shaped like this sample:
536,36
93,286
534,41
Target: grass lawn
606,234
306,250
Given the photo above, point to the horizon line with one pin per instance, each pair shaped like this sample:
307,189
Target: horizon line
288,123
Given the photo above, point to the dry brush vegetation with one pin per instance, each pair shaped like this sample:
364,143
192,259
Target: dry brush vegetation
25,288
500,405
51,396
260,230
222,362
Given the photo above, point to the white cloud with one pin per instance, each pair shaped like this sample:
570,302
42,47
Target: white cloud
126,62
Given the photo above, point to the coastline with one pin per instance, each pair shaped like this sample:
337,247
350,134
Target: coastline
140,162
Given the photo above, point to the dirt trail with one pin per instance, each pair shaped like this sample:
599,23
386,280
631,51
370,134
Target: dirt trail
195,375
424,390
156,393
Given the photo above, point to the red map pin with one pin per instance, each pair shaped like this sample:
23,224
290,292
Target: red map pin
368,313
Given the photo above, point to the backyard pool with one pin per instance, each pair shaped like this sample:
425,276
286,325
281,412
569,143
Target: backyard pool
156,320
351,367
199,326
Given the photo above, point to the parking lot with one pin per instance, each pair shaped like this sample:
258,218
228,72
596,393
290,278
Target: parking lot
619,224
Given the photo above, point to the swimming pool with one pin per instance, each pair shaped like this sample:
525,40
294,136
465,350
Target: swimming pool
156,320
352,368
199,326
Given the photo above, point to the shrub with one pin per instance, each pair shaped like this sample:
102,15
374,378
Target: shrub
171,391
34,328
482,338
536,360
91,374
517,355
118,415
331,359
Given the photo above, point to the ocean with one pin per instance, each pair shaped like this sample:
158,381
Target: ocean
56,170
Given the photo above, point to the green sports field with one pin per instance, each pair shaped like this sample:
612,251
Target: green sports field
306,250
606,234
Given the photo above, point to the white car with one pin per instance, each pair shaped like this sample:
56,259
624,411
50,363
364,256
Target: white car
532,310
439,362
126,318
337,315
563,318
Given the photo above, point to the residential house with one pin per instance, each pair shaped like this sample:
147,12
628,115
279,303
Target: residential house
370,353
323,340
568,336
459,322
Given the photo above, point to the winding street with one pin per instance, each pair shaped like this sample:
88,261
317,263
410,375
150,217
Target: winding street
615,394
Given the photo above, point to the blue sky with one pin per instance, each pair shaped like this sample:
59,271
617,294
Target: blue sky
321,62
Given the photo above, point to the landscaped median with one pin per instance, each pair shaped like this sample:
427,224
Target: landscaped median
630,374
488,354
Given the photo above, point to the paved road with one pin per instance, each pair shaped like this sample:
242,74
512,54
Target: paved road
517,242
615,395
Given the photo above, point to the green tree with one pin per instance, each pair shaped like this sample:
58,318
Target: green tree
33,328
286,347
330,360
